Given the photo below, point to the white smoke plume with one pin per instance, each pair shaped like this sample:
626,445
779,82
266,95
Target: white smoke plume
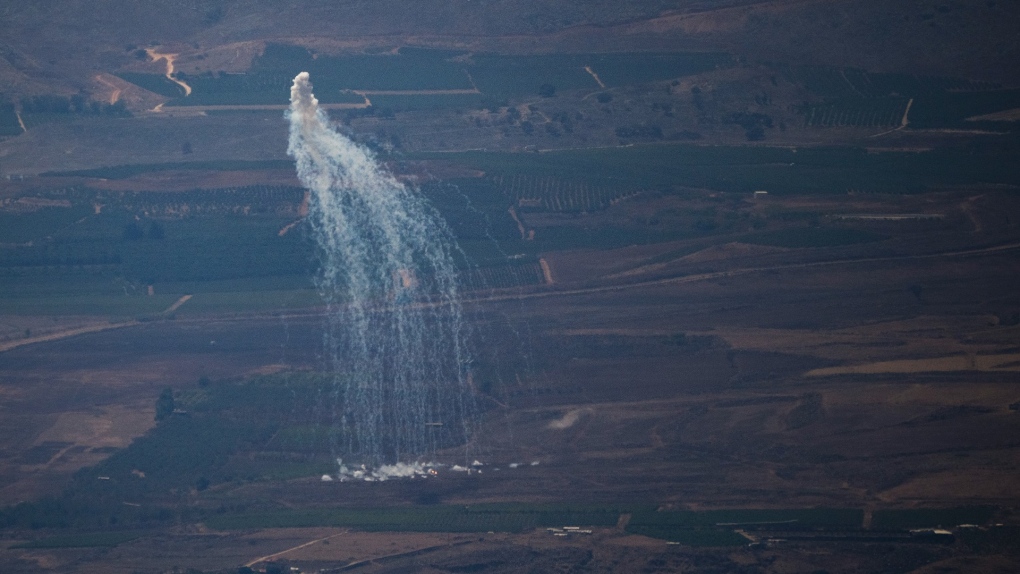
395,337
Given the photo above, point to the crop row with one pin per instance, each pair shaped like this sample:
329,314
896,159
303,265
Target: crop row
504,277
854,83
242,200
555,194
859,113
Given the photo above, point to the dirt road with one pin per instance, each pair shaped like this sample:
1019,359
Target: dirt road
156,56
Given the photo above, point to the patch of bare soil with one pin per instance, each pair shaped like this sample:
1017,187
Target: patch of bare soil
1009,362
915,340
134,97
704,22
975,483
1012,115
72,440
342,546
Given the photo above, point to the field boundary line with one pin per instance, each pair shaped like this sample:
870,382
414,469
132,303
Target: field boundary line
9,345
177,304
298,547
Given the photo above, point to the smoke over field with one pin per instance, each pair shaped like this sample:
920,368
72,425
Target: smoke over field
395,340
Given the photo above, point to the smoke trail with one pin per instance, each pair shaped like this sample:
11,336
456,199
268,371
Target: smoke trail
395,337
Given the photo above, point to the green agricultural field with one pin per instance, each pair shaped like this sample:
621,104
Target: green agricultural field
639,68
223,246
385,103
555,194
510,517
55,291
795,519
156,83
157,250
854,97
21,227
504,77
249,301
423,519
838,83
780,171
124,307
126,171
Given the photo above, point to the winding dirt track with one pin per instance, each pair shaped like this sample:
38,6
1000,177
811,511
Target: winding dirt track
157,55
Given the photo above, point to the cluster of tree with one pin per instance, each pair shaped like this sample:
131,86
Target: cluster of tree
165,405
754,124
76,104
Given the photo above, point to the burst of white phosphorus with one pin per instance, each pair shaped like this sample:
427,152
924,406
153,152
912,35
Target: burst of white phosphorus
395,337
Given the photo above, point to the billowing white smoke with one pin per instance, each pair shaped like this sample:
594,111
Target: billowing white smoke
399,470
395,337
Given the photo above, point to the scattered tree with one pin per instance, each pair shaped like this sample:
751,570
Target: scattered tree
165,404
699,101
